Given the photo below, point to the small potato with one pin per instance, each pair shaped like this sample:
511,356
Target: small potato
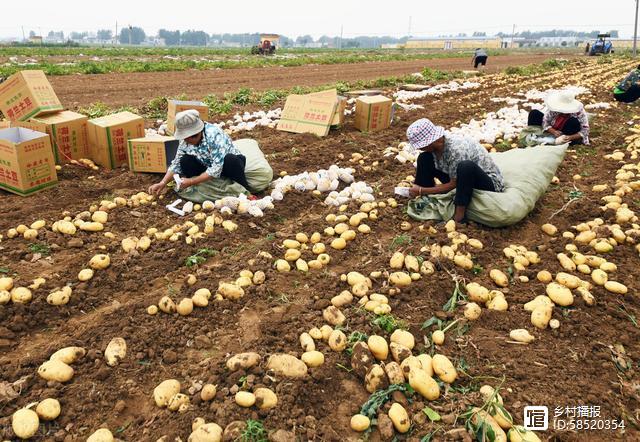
152,310
165,391
199,300
312,358
5,297
55,370
245,399
537,301
25,423
498,303
400,279
399,417
472,311
6,283
544,276
102,435
462,261
339,243
100,261
541,316
337,341
399,352
265,398
59,297
206,433
48,409
437,337
100,216
258,277
21,295
326,331
342,299
178,402
208,392
282,266
394,373
197,423
306,341
243,360
292,255
185,307
116,351
85,275
443,367
397,261
68,355
600,277
499,278
315,333
521,335
567,280
360,423
549,229
378,347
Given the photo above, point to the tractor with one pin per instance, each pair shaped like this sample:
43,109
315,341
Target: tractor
602,45
267,44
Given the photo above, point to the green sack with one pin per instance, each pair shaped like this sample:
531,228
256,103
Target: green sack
257,170
527,174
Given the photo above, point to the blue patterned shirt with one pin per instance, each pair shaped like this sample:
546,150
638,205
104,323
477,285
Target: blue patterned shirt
215,145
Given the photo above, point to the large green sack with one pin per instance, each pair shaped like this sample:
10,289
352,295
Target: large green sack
527,174
257,170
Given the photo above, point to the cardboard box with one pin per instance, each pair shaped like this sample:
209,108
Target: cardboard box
373,113
338,116
311,113
27,94
108,137
26,161
152,154
68,132
175,106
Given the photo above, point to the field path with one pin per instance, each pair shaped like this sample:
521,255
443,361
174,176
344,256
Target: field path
136,89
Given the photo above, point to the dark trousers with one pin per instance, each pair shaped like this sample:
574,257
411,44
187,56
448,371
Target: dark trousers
480,60
631,94
470,176
571,127
232,168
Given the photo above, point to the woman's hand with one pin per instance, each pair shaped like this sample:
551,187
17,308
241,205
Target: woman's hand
157,188
555,133
415,191
186,182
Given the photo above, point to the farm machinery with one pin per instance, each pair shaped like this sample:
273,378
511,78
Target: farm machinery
602,45
267,44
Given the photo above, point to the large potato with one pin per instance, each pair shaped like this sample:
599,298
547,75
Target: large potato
337,340
499,278
567,280
243,360
397,261
48,409
245,399
559,294
400,279
206,433
312,358
68,355
399,417
55,370
394,373
541,316
6,283
185,307
403,337
344,298
376,379
265,398
230,291
615,287
102,435
21,295
333,316
427,363
378,347
472,311
537,301
25,423
360,422
60,297
477,293
287,365
165,391
424,384
443,367
116,351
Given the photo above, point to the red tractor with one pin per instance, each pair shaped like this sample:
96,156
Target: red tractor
267,44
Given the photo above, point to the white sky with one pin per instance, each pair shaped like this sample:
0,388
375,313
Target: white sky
295,17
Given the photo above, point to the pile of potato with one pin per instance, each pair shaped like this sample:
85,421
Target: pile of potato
58,367
17,295
25,421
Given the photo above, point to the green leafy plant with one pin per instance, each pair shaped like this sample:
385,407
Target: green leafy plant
354,338
388,323
41,248
399,241
199,257
479,427
456,297
254,432
381,397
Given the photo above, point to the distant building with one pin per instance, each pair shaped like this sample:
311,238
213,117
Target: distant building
35,39
560,41
391,46
449,43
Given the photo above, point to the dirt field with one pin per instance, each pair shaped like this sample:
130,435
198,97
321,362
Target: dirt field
138,88
580,363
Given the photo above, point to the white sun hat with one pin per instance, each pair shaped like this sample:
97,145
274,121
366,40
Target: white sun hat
188,123
563,101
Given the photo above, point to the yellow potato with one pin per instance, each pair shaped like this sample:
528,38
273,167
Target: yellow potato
559,294
230,291
443,367
66,227
245,399
479,416
499,278
68,355
167,305
549,229
375,379
165,391
59,297
399,417
85,274
307,343
48,409
333,316
337,341
615,287
360,423
400,279
312,358
25,423
521,335
338,244
520,434
472,311
265,398
437,337
403,337
282,266
477,293
206,433
100,261
424,384
462,261
178,402
378,347
116,351
498,303
21,295
397,261
566,262
541,316
55,370
567,280
539,300
208,392
600,277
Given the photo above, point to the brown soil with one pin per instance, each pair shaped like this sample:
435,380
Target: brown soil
137,89
570,366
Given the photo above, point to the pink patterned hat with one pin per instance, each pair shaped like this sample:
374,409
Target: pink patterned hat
423,132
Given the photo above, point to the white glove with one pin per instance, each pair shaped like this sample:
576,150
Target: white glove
562,139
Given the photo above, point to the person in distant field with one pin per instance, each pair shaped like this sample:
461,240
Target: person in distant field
205,152
564,118
479,58
586,49
458,162
628,90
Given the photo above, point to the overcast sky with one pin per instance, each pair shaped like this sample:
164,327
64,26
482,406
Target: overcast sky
297,17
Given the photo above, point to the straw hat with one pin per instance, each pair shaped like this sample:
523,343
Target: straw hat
423,132
188,123
563,102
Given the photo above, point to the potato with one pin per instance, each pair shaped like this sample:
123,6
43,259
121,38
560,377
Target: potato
206,433
196,423
474,243
608,267
258,277
378,347
521,335
397,261
344,298
199,300
559,294
289,366
324,259
55,370
424,384
399,417
99,262
68,355
292,255
59,297
403,337
360,423
499,278
326,331
92,227
100,216
400,279
291,244
413,363
165,391
337,341
230,291
116,351
489,394
394,373
21,295
245,399
208,392
265,398
66,227
5,297
443,367
426,362
179,402
48,409
101,435
306,341
375,379
167,305
6,283
315,333
537,301
399,352
312,358
185,307
437,337
586,295
85,275
243,360
479,416
566,262
615,287
567,280
549,229
129,244
477,293
519,434
144,243
339,243
541,316
30,234
600,277
333,316
462,261
25,423
603,247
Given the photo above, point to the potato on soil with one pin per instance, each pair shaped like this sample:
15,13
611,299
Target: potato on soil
399,352
559,294
116,351
312,358
472,311
100,261
403,337
477,293
265,398
55,370
378,347
6,283
178,402
21,295
25,423
167,305
165,391
424,384
243,360
185,307
443,367
437,337
399,417
68,355
499,278
394,373
361,359
85,275
333,316
360,422
102,435
208,392
482,416
521,335
376,379
337,341
287,365
400,279
206,433
245,399
48,409
520,434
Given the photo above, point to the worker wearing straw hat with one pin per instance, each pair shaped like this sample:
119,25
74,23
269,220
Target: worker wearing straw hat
205,152
564,118
458,162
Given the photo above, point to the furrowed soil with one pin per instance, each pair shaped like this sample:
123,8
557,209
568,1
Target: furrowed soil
580,363
137,89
